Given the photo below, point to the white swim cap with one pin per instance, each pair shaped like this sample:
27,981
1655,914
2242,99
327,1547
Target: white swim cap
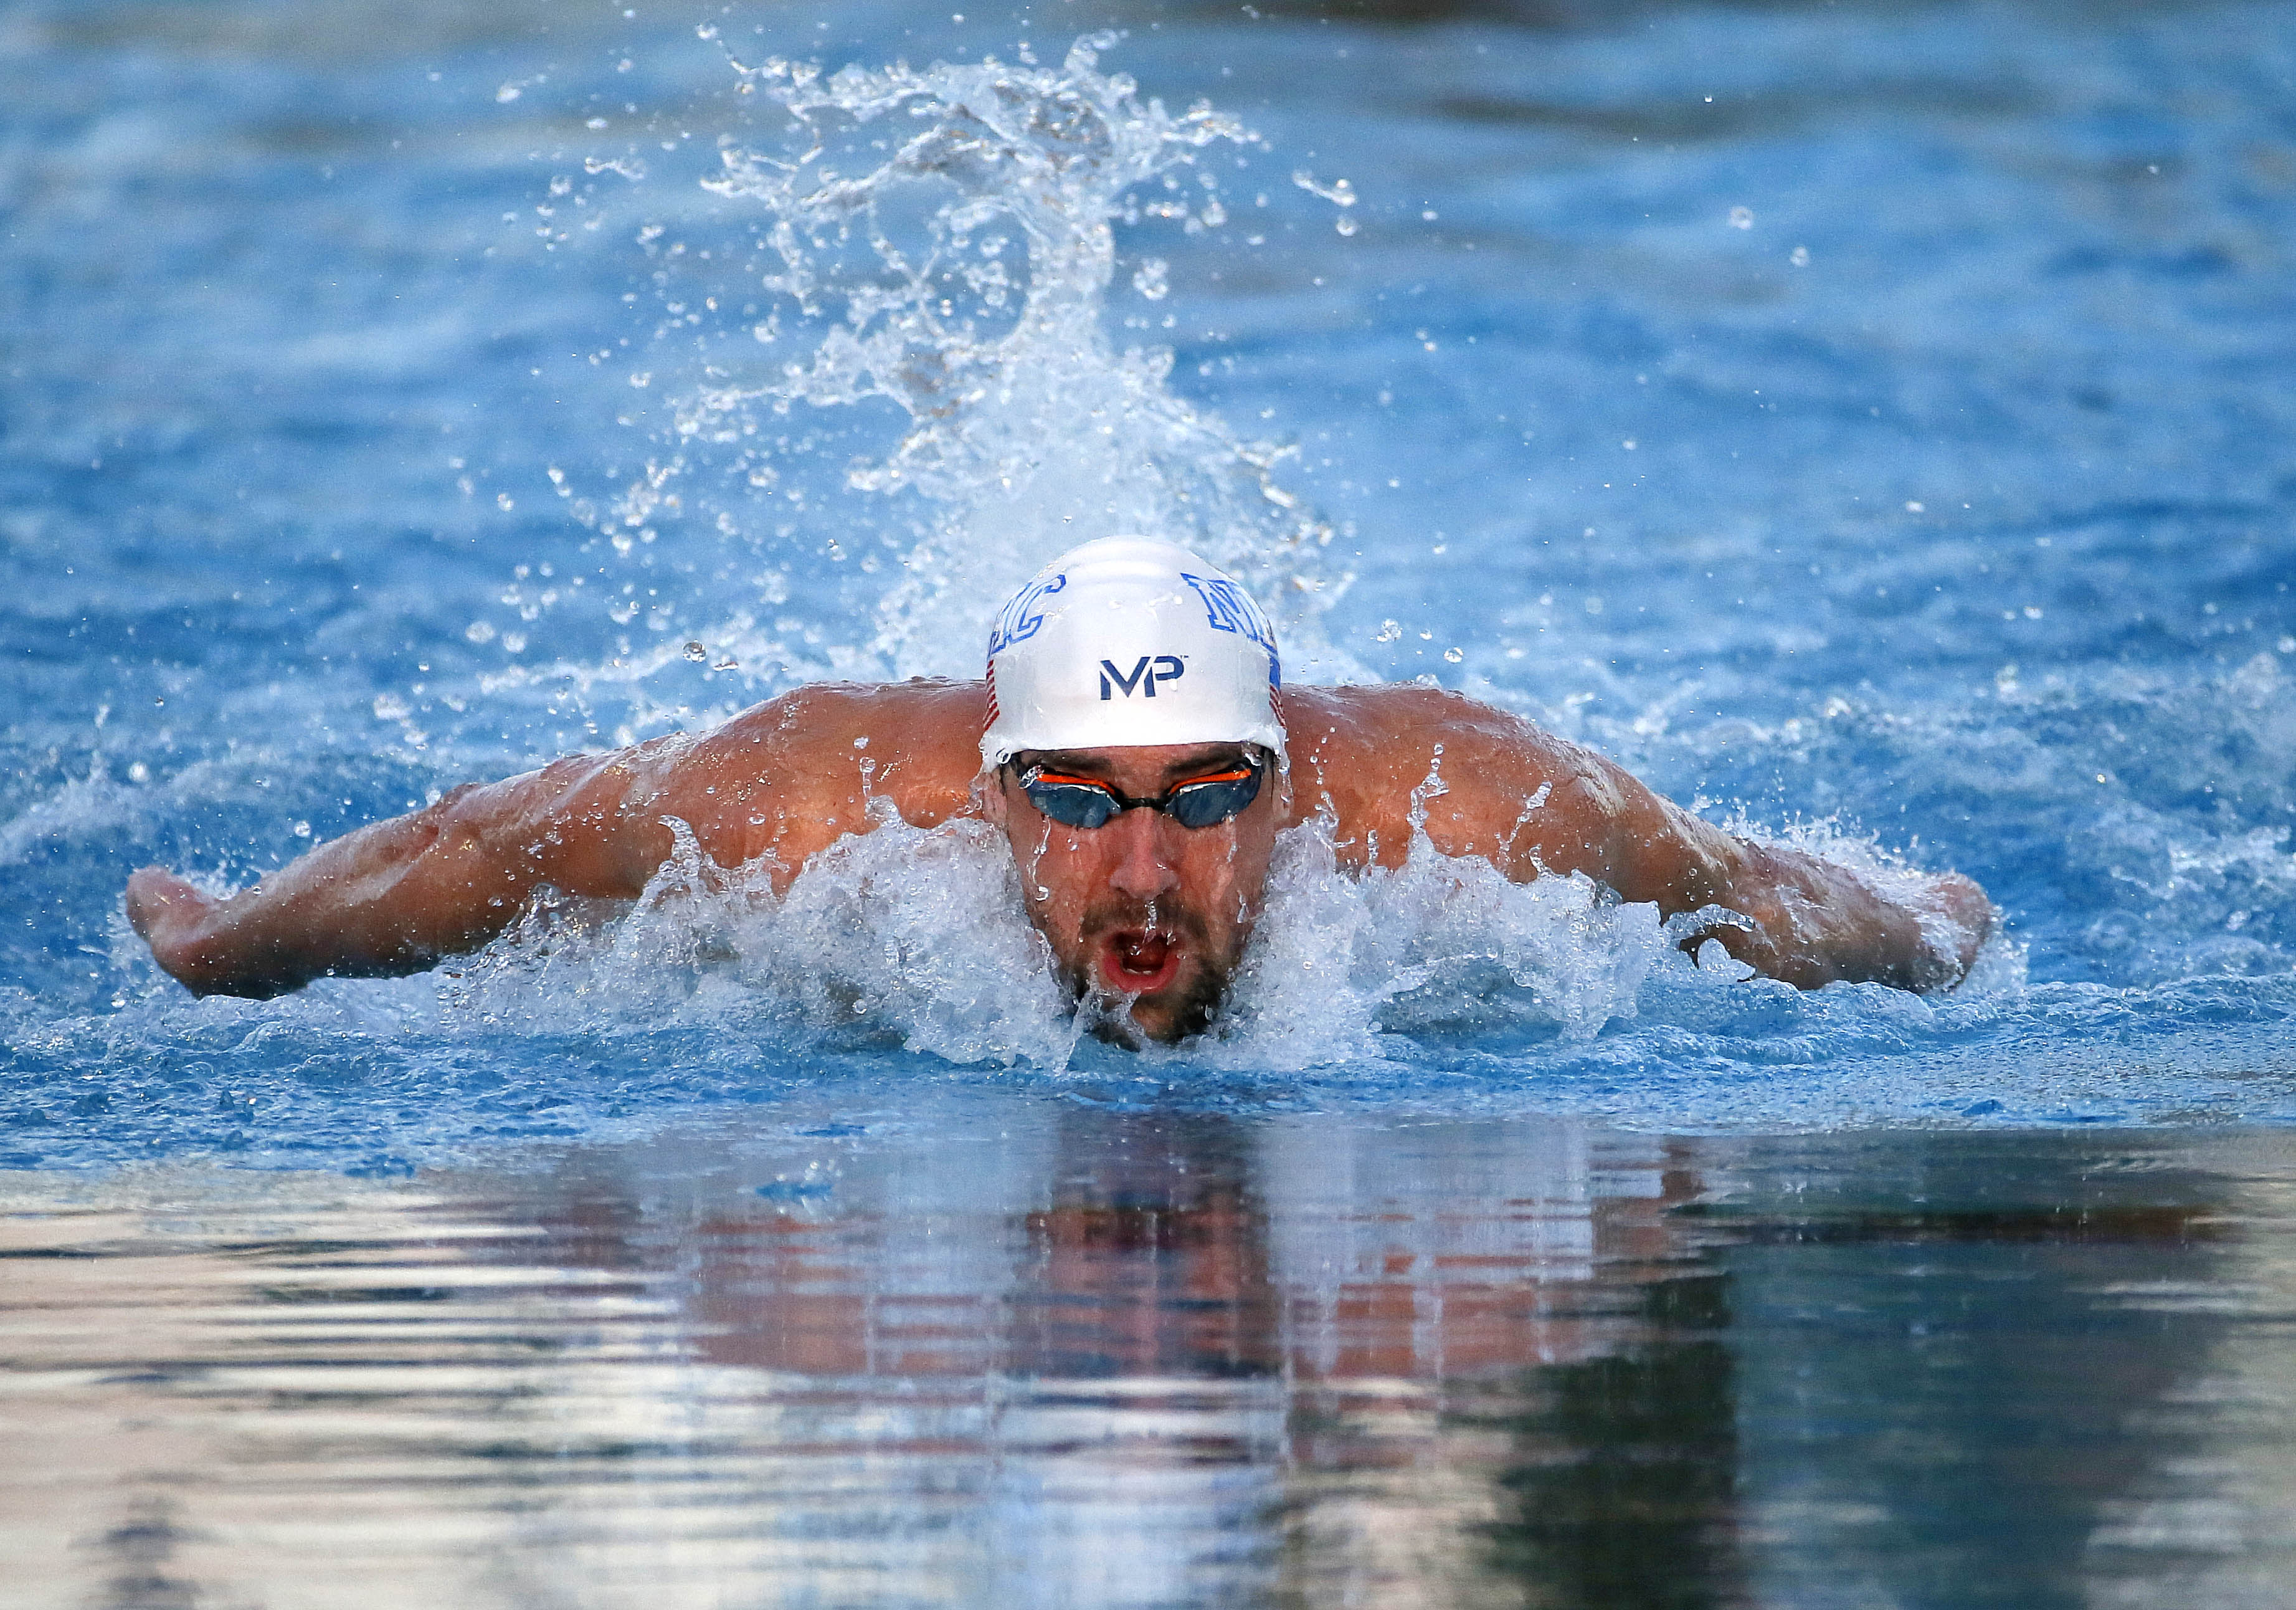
1124,642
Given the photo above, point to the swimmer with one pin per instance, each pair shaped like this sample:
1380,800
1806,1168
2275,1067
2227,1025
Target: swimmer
1134,744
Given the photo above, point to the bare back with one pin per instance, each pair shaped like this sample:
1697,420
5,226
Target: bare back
781,782
788,777
1379,765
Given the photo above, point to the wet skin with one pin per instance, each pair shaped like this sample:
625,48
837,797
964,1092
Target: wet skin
1146,916
1382,769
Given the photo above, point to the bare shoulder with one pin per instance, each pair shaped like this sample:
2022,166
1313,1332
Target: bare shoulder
1387,715
1486,781
787,777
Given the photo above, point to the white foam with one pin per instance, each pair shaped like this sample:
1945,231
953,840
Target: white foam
965,279
915,936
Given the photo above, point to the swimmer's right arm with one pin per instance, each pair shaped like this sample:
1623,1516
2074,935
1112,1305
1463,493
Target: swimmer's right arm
775,785
398,895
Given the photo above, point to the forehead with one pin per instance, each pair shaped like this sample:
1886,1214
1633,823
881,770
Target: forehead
1168,761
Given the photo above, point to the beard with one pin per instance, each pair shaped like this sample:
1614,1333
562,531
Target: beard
1192,999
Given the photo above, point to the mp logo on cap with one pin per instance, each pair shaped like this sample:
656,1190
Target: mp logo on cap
1148,671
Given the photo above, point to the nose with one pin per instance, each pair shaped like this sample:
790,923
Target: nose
1143,868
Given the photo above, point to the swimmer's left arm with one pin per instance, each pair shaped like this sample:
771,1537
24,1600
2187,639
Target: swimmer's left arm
1530,802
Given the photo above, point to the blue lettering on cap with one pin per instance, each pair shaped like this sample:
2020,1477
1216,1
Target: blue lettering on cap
1015,623
1228,608
1146,672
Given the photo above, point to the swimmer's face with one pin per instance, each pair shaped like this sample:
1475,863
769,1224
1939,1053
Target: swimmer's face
1143,915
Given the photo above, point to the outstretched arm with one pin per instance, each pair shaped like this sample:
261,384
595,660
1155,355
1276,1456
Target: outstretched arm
1813,921
1493,786
397,895
779,782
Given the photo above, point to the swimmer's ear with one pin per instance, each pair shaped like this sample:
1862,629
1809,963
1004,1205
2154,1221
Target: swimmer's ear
1279,769
988,796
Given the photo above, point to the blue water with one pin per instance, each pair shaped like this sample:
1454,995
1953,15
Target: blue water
1868,425
1862,424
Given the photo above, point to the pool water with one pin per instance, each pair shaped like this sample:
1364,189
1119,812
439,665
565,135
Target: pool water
965,1346
1865,423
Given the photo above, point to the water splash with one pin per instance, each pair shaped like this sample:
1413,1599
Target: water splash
1343,963
962,277
914,938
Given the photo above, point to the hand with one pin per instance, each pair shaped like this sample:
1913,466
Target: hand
173,917
1964,904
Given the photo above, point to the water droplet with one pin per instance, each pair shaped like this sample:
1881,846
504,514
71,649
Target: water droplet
1345,225
1800,257
1741,217
1455,654
1338,190
694,651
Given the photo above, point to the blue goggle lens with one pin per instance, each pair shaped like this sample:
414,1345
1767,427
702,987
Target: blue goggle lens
1200,802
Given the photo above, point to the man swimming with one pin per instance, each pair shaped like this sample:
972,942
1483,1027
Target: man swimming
1132,742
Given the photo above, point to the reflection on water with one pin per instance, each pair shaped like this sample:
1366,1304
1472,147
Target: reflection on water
1027,1352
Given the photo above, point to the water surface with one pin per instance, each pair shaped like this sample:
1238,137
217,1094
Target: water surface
1865,424
1005,1349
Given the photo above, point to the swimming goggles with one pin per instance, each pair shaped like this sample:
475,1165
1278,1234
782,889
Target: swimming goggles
1204,802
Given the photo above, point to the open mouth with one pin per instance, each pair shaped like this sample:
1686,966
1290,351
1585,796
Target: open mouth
1136,961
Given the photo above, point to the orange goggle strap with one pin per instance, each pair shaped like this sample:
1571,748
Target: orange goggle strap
1061,778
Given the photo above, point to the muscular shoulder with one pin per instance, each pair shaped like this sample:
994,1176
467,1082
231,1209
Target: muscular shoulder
1384,716
1487,782
794,774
